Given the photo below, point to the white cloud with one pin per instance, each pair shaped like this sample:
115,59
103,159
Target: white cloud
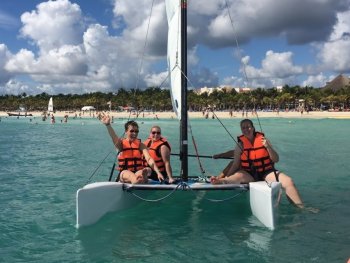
316,81
68,60
53,24
70,55
273,66
266,18
15,87
335,54
155,80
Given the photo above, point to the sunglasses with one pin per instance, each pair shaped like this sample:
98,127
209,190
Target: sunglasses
155,132
134,131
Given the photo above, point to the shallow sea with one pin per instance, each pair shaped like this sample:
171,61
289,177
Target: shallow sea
43,165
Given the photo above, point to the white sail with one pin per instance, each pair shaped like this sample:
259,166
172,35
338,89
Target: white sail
174,54
50,106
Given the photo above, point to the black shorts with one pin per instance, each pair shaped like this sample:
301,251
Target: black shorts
260,176
154,175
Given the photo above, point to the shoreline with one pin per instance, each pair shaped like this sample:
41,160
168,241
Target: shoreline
196,115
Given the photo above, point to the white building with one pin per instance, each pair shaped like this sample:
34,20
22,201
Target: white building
279,88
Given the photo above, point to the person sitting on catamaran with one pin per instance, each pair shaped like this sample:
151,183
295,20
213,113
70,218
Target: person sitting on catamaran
254,159
159,149
132,153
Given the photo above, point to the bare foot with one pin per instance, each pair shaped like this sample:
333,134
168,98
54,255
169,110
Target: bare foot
171,180
121,178
141,177
215,180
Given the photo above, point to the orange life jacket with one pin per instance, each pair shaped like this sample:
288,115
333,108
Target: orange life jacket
255,158
130,156
154,151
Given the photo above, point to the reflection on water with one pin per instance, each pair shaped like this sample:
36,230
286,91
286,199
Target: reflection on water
259,239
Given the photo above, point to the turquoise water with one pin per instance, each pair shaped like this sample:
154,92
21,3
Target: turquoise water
43,165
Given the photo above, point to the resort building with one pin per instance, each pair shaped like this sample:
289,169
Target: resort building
337,83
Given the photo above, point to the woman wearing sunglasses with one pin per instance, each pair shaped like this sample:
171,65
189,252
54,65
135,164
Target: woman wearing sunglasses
132,153
159,149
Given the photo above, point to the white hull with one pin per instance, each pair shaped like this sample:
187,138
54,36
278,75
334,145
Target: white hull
264,201
97,199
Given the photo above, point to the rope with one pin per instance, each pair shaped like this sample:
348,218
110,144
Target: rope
236,40
203,177
98,167
185,185
155,200
224,126
240,57
226,199
144,47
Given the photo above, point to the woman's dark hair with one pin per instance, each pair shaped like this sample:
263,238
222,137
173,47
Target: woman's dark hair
130,123
249,121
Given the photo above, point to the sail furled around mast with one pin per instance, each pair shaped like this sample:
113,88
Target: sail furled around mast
173,11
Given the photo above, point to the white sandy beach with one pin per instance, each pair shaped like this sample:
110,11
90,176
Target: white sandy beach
219,114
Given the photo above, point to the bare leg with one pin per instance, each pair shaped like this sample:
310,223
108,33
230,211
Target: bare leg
226,169
240,177
288,185
142,175
223,173
139,177
127,176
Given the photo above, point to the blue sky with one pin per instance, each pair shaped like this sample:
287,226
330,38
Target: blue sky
75,46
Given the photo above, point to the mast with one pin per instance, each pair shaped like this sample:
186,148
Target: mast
183,126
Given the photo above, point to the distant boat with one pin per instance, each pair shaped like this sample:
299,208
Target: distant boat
21,112
18,114
50,106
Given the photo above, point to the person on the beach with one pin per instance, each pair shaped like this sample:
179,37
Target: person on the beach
159,149
254,159
132,154
53,119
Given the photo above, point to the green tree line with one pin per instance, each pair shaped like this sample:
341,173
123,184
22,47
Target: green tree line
157,99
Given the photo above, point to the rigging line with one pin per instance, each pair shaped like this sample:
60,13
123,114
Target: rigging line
202,156
230,134
187,186
141,61
217,118
161,84
236,40
225,199
197,153
240,56
98,167
224,126
191,84
144,47
190,128
155,200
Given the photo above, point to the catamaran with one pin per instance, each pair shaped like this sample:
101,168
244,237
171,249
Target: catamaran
95,200
50,106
